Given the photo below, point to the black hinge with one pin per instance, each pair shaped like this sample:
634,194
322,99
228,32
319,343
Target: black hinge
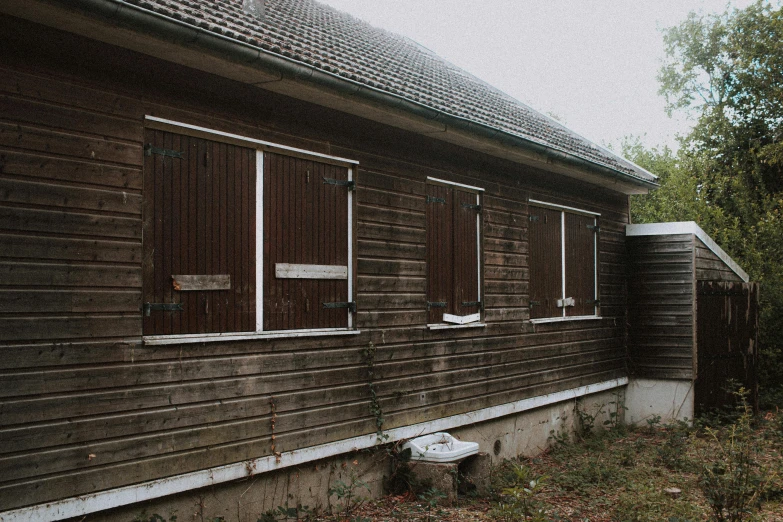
594,228
432,199
164,307
340,183
596,302
533,218
473,206
535,303
351,305
149,150
471,303
435,304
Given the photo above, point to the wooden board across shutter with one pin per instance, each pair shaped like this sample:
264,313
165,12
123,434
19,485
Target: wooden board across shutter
580,263
305,223
546,276
465,252
199,219
440,252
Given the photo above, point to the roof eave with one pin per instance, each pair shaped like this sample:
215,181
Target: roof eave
121,21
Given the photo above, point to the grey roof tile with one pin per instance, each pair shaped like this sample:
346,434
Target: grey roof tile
337,43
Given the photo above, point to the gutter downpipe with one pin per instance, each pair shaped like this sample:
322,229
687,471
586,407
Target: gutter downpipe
124,14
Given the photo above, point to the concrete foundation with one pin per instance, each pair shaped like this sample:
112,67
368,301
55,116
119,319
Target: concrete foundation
668,399
526,433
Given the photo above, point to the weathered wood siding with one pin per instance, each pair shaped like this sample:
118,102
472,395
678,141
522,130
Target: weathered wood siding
661,304
709,267
85,406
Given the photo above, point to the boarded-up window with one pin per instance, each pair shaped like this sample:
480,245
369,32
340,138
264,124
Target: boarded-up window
546,271
453,250
199,223
562,263
306,251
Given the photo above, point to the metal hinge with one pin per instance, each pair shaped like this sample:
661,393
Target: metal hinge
340,183
596,302
435,304
149,150
472,303
164,307
533,218
594,228
535,303
351,305
473,206
433,199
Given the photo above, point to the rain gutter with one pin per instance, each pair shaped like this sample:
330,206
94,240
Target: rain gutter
139,19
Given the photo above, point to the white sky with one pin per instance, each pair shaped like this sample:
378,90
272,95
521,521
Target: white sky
592,63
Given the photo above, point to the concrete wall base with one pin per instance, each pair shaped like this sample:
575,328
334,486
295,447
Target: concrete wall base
668,399
527,433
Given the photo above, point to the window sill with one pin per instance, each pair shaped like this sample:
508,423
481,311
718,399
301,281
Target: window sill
242,336
441,326
545,320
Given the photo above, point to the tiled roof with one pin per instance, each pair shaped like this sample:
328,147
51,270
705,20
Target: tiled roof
337,43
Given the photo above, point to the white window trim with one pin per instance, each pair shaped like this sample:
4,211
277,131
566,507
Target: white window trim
563,209
260,146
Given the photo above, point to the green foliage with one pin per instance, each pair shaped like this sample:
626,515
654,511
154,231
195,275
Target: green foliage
641,502
431,498
733,480
518,500
348,494
585,420
726,72
672,453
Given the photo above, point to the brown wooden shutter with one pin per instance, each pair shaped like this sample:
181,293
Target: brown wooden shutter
305,223
546,283
199,220
440,252
580,263
465,211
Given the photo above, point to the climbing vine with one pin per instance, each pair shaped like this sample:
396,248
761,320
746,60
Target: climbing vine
368,355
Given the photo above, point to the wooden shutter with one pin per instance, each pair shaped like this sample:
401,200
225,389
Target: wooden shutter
580,263
305,223
546,283
465,212
199,220
440,252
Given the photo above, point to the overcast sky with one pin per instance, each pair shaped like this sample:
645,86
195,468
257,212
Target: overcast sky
593,64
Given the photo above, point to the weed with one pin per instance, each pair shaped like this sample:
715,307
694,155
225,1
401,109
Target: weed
517,500
653,422
643,503
733,480
585,420
672,453
616,420
431,498
348,494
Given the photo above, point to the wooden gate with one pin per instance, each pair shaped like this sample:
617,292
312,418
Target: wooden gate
726,330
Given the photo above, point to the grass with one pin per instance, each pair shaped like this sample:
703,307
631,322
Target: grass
620,475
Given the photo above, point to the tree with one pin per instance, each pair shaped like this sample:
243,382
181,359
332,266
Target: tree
727,72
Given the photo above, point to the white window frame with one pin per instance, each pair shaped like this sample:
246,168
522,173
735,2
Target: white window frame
595,215
478,191
261,146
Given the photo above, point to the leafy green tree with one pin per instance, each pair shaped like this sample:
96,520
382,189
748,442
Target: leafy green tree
726,71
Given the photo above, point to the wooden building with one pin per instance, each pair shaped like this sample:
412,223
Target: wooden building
239,238
693,318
